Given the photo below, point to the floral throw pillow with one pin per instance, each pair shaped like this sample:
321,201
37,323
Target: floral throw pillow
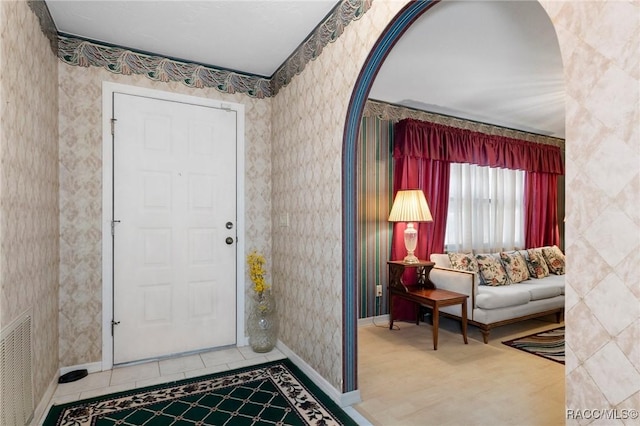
555,259
492,271
516,266
463,262
537,265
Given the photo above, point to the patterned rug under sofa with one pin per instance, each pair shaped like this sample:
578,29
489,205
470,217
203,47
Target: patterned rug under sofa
276,393
547,344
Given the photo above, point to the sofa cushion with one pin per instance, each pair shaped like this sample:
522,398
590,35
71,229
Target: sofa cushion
491,270
515,265
545,292
544,288
555,259
553,280
536,264
502,297
463,262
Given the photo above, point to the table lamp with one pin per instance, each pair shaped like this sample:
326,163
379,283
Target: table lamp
410,206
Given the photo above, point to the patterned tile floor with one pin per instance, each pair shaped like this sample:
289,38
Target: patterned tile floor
151,373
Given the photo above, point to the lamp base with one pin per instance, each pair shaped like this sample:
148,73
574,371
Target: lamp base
410,243
411,258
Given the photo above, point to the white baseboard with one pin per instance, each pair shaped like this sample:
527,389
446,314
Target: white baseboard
379,321
92,367
243,342
355,415
45,402
342,399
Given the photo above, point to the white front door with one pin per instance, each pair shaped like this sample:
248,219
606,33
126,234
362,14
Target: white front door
174,227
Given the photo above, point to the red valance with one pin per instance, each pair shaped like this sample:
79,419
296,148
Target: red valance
443,143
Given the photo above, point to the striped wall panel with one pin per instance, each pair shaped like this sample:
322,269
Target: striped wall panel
375,171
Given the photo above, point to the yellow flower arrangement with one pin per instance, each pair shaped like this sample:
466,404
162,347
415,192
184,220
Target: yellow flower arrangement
257,271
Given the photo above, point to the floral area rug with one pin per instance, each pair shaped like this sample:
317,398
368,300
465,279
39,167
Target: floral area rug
547,344
275,393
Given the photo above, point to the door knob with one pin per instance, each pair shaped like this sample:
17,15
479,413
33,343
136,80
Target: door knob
229,240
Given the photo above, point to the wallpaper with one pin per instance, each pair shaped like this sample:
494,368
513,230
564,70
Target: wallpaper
375,193
326,32
602,182
308,124
29,185
294,148
599,44
81,196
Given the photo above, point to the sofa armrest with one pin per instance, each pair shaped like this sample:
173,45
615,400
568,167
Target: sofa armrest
463,282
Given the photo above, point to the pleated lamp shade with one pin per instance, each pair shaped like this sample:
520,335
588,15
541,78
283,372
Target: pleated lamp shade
410,206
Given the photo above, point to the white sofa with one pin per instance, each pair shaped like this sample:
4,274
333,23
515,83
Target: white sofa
492,306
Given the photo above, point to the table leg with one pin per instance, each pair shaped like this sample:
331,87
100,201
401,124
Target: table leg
436,320
464,321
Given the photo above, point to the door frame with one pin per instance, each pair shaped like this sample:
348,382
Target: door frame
108,89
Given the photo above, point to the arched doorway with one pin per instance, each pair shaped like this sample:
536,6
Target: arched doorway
385,43
411,16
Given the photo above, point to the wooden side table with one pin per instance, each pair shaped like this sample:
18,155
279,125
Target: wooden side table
397,268
424,293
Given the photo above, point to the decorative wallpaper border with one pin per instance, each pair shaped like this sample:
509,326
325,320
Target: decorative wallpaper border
84,53
325,33
118,60
41,10
386,111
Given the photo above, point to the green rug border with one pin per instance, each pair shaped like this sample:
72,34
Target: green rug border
507,343
56,410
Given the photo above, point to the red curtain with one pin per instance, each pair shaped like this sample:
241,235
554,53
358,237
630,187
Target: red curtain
422,154
541,210
432,176
420,139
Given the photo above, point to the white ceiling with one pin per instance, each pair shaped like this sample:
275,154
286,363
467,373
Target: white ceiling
494,62
252,36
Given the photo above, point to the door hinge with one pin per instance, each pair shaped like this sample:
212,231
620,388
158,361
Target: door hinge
113,325
113,227
113,126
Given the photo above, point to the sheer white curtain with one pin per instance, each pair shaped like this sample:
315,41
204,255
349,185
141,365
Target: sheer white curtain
486,209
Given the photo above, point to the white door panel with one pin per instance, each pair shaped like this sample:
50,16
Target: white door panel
174,191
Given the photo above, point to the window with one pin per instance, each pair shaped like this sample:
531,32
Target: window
486,209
